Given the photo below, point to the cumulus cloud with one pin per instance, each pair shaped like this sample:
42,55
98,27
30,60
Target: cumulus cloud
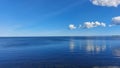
116,20
108,3
72,27
88,25
93,24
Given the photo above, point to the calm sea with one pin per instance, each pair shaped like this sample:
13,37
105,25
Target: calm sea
60,52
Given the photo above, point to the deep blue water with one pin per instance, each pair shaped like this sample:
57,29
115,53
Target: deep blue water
60,52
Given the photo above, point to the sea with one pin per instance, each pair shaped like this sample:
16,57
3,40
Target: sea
60,52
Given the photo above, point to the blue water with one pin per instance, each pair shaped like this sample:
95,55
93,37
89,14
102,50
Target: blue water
60,52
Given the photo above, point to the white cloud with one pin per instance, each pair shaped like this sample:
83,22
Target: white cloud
108,3
72,26
116,20
103,24
88,25
93,24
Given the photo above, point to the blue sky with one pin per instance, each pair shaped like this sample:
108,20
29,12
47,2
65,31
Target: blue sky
52,17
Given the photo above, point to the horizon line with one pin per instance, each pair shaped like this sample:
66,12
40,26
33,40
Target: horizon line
68,36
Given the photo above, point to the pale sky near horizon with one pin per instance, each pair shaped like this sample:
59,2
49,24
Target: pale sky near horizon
54,17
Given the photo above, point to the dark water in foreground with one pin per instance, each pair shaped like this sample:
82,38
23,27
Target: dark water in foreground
60,52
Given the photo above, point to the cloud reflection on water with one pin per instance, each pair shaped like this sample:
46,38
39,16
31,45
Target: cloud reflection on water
72,45
116,52
93,47
89,46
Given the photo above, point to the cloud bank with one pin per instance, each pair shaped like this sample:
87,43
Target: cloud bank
88,25
93,24
108,3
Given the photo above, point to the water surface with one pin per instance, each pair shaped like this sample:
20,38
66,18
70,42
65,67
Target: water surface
60,52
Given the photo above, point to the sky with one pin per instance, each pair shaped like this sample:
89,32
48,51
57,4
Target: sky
59,17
